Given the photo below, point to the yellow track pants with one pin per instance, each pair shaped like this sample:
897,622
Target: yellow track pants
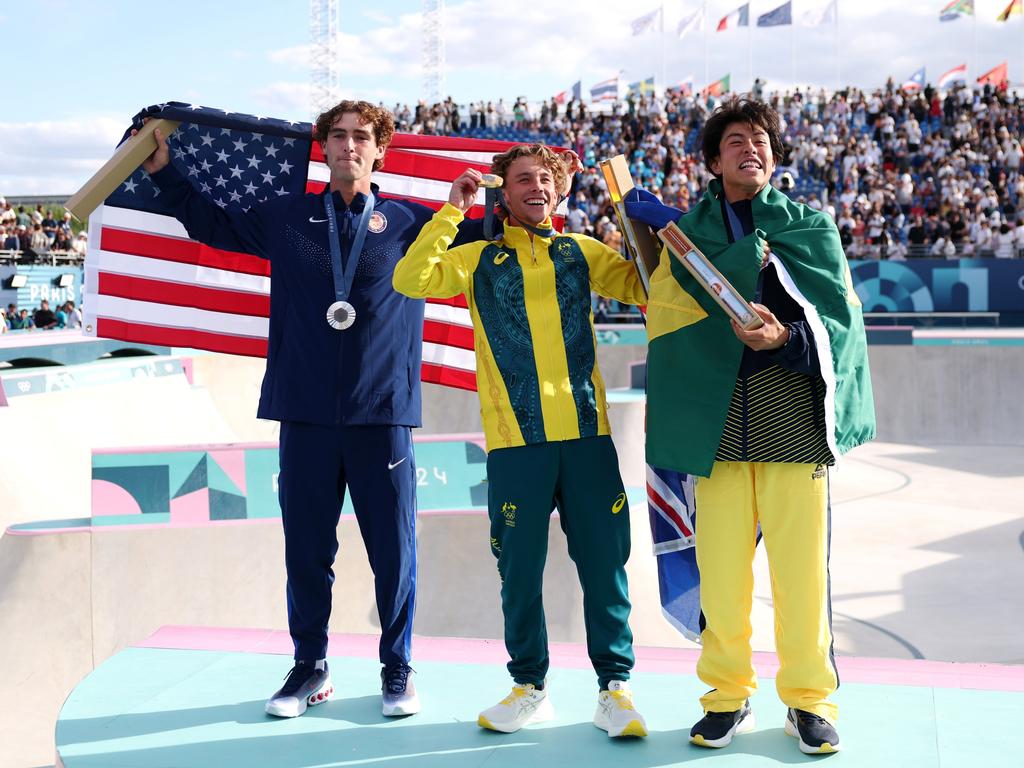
791,503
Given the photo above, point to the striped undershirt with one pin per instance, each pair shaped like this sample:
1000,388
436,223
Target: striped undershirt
785,419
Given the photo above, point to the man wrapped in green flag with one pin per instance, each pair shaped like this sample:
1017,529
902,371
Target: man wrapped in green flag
758,416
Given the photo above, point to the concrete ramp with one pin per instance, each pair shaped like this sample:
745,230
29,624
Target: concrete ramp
51,435
926,541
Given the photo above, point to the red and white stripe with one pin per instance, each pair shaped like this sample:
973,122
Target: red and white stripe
669,505
146,281
956,74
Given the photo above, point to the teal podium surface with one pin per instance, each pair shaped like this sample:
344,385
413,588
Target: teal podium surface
194,697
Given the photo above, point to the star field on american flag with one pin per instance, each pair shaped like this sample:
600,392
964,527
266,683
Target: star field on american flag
232,165
148,281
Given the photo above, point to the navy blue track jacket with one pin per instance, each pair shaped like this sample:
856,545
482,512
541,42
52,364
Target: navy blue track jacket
367,374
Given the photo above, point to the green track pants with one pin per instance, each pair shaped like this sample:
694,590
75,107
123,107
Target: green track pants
581,478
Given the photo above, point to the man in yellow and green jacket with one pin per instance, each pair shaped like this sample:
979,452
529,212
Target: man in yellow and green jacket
545,418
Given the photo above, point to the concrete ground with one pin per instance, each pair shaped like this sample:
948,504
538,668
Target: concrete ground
927,557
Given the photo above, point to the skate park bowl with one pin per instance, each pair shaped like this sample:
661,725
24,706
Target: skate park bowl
142,586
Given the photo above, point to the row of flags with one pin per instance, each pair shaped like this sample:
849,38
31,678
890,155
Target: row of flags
782,16
997,77
958,8
608,90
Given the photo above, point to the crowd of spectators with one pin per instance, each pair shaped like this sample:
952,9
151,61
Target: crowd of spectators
904,174
67,315
38,235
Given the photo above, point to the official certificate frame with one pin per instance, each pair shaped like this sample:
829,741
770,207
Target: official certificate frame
119,167
709,278
640,241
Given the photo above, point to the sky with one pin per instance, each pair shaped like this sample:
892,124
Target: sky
77,70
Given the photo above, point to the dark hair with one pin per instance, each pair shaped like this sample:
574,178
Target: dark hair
739,110
379,118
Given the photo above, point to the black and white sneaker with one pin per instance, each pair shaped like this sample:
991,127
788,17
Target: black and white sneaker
716,729
816,734
398,692
305,684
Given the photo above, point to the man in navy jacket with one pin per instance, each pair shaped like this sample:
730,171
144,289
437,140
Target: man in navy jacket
343,378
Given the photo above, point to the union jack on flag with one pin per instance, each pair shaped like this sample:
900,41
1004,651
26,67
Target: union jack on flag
673,516
147,281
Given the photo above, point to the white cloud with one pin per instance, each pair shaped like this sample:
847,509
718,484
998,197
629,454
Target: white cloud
55,157
496,51
284,100
393,48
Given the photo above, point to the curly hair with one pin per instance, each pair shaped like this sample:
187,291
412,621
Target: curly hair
739,110
379,118
547,156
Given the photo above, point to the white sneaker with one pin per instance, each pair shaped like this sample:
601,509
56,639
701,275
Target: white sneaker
523,706
615,713
304,685
398,692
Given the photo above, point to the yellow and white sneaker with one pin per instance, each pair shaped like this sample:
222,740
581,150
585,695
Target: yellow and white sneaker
616,713
526,704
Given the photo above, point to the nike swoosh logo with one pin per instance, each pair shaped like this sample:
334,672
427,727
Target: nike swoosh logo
500,257
392,466
316,221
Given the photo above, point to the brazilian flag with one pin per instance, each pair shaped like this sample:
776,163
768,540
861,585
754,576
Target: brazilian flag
694,356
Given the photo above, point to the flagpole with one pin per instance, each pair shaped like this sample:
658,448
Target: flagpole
792,48
707,24
663,83
974,45
750,49
839,54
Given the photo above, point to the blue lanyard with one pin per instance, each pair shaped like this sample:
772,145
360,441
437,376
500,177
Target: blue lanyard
736,226
343,280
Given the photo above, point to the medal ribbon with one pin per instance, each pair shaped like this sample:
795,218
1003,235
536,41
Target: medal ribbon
736,227
343,279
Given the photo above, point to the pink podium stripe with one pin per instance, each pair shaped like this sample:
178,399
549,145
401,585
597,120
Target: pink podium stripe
677,661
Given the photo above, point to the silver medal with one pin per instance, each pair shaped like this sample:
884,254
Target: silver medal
341,315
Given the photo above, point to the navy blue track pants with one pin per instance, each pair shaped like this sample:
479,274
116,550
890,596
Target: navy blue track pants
377,465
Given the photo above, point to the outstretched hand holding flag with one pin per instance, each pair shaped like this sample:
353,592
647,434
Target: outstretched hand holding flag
147,281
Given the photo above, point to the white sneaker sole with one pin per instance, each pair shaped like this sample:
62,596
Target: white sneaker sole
319,696
545,711
635,726
746,725
807,749
408,707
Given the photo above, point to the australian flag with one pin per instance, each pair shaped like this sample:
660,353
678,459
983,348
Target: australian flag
673,517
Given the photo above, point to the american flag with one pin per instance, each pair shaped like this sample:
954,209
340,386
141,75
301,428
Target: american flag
670,503
147,281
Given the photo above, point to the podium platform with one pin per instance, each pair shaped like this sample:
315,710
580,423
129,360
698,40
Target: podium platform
194,697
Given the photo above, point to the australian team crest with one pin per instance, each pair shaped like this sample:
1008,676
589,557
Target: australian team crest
378,222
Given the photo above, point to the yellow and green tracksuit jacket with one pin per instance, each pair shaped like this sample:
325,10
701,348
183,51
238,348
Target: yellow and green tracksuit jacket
536,355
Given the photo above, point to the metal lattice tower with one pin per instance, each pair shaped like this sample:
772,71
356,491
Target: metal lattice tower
323,55
433,51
